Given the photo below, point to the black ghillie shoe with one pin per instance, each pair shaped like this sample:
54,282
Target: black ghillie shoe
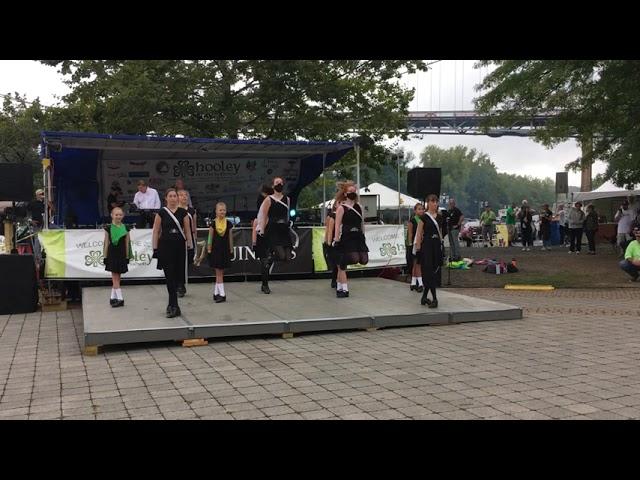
221,299
265,288
424,300
419,289
434,304
341,294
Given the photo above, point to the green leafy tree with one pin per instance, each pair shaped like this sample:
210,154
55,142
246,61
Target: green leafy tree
272,99
590,99
20,125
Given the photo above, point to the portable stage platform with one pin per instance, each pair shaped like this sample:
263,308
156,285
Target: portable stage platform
294,306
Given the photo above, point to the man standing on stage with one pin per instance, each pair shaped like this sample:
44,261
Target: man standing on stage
146,198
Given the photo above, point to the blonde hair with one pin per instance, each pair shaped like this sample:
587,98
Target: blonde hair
221,203
341,194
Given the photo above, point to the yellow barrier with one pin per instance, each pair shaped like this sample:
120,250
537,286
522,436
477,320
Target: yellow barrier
529,287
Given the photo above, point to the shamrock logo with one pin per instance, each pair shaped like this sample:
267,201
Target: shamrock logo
388,250
94,259
183,169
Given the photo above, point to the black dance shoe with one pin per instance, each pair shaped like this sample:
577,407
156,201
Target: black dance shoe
265,288
113,302
174,312
419,289
412,287
434,304
424,300
341,294
221,299
334,284
119,303
215,297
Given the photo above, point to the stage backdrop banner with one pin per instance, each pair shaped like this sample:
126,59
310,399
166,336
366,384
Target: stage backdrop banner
385,242
233,181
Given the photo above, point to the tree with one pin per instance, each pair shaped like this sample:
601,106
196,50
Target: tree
20,125
598,99
271,99
471,178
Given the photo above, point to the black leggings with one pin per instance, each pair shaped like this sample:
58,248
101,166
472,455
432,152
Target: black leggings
430,281
591,237
351,258
527,233
576,239
279,253
172,274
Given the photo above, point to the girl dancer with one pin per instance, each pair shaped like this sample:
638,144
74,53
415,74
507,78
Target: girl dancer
273,223
171,236
220,248
349,237
413,256
183,202
116,253
429,243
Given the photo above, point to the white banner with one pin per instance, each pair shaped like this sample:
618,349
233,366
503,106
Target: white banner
83,255
386,245
233,181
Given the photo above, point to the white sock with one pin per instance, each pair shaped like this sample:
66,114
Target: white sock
420,282
414,280
221,289
119,293
216,290
339,287
113,294
345,287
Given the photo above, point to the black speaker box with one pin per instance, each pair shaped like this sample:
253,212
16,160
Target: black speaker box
16,182
424,181
18,285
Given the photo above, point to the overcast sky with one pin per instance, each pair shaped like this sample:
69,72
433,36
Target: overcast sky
448,85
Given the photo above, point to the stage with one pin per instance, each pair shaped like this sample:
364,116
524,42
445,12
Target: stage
294,306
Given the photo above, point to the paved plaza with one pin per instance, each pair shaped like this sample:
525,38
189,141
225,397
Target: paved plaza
574,355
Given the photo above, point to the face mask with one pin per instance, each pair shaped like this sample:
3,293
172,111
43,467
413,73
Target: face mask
278,188
352,195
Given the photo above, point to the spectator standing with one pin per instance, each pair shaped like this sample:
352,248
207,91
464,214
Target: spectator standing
486,220
545,226
625,217
511,223
561,214
576,221
454,222
590,228
526,227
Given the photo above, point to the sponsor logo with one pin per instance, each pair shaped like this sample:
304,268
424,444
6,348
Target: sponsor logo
94,259
162,168
185,168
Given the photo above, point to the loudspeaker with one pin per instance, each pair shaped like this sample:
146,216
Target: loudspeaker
18,289
424,181
16,182
562,182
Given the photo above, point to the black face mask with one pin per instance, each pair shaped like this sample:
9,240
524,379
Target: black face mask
352,195
278,188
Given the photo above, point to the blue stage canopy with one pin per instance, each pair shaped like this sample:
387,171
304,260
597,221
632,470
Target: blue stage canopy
85,165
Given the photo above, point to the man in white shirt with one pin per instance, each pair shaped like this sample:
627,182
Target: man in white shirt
624,217
146,198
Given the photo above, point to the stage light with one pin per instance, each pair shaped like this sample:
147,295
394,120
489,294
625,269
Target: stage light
292,212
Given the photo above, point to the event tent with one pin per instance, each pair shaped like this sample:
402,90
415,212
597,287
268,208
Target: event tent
606,190
388,197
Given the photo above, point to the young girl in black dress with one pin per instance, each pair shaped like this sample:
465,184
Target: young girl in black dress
116,253
273,223
183,202
429,244
171,236
413,255
220,248
349,237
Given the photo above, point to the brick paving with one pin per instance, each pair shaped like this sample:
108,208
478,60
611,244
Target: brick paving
574,355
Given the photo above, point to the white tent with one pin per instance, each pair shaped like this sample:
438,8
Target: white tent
388,197
606,190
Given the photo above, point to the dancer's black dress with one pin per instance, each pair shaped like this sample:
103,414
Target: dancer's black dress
172,252
277,235
431,255
220,256
352,247
116,260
